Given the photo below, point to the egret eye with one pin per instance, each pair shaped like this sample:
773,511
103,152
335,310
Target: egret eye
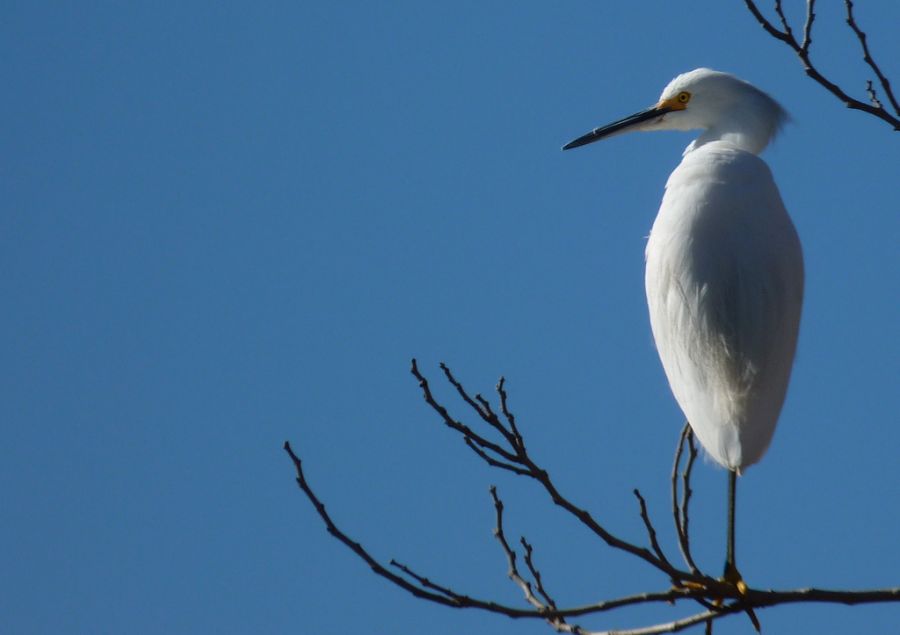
683,97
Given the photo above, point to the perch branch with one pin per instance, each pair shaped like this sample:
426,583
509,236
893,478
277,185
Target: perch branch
718,598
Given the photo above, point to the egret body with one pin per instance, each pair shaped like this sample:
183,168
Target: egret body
724,275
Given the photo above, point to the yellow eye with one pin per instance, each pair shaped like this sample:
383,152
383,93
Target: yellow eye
683,97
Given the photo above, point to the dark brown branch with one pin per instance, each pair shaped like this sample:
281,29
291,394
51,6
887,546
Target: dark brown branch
426,589
786,35
680,505
784,23
651,530
501,390
772,597
356,547
557,622
487,407
423,581
548,606
520,457
535,573
867,57
482,407
450,422
494,462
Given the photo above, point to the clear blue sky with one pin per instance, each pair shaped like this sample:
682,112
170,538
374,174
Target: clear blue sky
227,226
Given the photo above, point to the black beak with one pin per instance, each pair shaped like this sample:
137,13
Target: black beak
619,126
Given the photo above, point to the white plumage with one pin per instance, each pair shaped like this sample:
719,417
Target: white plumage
724,266
724,286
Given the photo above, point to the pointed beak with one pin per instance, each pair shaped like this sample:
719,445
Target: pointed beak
632,122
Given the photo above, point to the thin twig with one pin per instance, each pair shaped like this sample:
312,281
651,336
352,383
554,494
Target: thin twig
867,57
807,26
423,581
504,407
802,51
873,96
651,530
494,462
450,422
677,625
686,493
680,505
784,23
557,622
535,572
482,407
486,405
356,547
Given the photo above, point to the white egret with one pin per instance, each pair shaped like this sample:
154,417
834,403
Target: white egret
724,275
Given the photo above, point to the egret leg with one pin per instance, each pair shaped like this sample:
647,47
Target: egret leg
732,486
731,571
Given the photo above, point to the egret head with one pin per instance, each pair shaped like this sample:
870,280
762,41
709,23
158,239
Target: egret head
725,107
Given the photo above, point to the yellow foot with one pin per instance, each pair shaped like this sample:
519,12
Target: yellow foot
733,576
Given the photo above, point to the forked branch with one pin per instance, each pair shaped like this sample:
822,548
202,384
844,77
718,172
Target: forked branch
517,460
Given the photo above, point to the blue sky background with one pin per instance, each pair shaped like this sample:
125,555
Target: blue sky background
227,226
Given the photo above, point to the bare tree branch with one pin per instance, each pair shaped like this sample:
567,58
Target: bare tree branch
557,622
680,505
483,407
426,589
677,625
867,57
450,422
494,462
718,597
651,530
356,547
784,23
807,26
501,390
786,35
519,456
547,604
423,581
535,573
